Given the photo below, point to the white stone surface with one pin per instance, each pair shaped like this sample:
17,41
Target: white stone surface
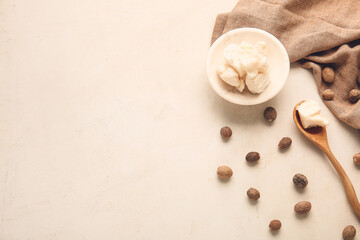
110,130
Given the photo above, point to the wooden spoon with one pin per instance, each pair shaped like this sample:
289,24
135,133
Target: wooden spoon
318,136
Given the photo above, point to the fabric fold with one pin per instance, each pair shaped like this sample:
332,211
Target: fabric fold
316,34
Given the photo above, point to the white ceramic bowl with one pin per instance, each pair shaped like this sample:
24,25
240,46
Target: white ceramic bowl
279,65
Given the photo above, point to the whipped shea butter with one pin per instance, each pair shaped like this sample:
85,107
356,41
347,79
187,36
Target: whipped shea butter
310,114
246,64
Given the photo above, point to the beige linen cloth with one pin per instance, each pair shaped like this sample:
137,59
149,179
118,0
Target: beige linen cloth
316,33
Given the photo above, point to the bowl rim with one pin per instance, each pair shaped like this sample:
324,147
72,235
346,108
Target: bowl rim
233,32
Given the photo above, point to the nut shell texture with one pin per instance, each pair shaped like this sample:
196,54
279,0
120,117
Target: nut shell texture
328,94
328,75
356,159
252,157
225,132
253,194
224,172
300,180
270,114
302,207
354,95
284,143
275,225
349,233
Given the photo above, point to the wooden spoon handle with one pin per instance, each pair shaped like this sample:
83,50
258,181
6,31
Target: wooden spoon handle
349,189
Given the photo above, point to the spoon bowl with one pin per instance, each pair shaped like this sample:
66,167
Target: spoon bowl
316,135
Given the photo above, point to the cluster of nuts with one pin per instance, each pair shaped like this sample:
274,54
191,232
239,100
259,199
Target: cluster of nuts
328,76
299,180
225,172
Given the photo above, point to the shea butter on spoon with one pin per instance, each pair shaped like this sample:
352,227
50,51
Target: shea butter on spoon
310,114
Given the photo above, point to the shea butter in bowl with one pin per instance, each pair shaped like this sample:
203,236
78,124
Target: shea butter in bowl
252,63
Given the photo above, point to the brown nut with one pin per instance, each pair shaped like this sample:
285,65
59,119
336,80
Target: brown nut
275,225
253,194
225,132
224,172
356,159
328,94
252,157
270,114
285,142
349,233
302,207
300,180
354,95
328,75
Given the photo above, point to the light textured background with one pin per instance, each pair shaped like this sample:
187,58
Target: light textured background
109,130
